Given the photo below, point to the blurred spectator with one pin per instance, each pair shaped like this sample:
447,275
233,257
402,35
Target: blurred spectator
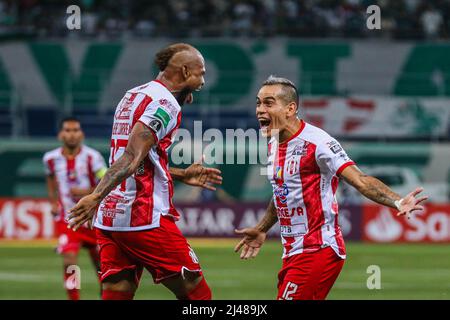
431,21
407,19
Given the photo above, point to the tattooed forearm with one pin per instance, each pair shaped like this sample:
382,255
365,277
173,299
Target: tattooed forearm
376,190
137,148
269,219
119,171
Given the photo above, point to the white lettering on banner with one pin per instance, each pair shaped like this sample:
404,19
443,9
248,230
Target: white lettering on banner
430,225
419,232
249,219
7,220
188,220
48,228
438,227
30,224
27,219
435,226
198,221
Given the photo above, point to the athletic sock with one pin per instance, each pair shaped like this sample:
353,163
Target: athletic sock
200,292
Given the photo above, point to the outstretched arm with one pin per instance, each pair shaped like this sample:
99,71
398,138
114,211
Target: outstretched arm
139,144
255,237
197,175
377,191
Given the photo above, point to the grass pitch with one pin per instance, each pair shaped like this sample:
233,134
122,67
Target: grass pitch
32,270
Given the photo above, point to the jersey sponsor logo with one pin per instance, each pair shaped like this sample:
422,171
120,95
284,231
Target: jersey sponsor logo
299,150
281,193
162,115
115,199
169,107
155,125
109,206
284,212
294,230
334,146
110,212
124,110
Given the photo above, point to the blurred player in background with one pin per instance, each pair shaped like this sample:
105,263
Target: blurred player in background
304,167
135,219
73,171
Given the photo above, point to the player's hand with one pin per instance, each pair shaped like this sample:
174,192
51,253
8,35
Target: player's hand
198,175
410,203
251,243
83,211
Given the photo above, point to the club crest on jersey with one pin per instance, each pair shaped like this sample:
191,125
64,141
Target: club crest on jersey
293,166
72,175
281,193
334,146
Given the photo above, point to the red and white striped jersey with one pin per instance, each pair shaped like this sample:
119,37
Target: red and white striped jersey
79,172
139,201
303,172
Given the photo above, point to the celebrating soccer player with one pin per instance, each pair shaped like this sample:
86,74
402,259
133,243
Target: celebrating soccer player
135,221
73,171
304,168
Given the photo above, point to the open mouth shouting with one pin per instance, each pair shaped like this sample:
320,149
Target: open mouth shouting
264,124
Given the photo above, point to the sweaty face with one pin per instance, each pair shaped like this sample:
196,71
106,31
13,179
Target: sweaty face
271,110
71,134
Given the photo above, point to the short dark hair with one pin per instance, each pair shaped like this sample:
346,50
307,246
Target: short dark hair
163,56
290,92
68,119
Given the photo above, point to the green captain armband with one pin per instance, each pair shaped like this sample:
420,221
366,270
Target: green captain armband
100,173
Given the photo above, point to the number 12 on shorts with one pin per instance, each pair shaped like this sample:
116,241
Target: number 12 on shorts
290,289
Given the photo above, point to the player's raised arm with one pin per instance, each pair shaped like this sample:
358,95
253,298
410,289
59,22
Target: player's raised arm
255,237
377,191
139,144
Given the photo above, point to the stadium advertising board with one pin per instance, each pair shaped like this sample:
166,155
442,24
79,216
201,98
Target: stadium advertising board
30,219
381,225
26,219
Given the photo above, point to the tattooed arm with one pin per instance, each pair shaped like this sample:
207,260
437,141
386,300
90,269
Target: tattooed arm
269,219
139,144
377,191
255,237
